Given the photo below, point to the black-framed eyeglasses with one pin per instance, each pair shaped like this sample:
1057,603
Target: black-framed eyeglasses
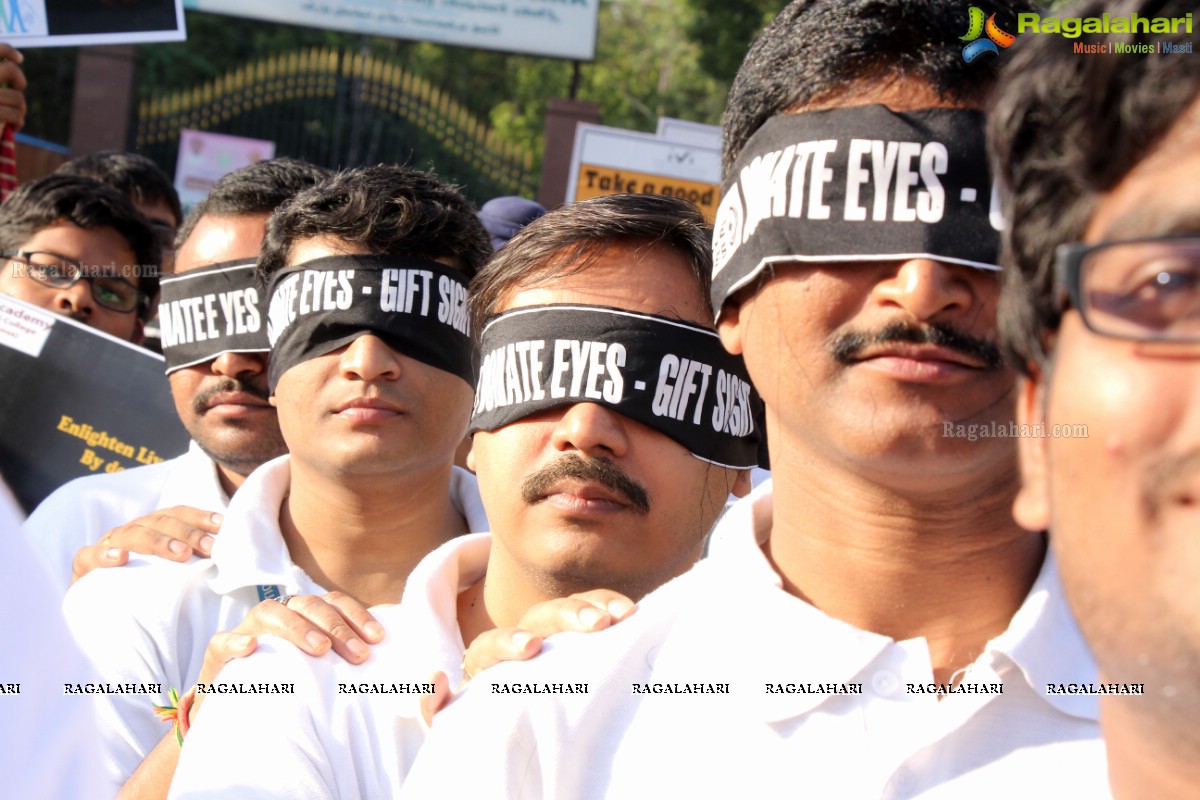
59,272
1145,290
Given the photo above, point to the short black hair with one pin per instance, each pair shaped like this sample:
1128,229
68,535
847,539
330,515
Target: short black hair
89,204
132,174
816,50
389,209
1065,129
565,241
259,188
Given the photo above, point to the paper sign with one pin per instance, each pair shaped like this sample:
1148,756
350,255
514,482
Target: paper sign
77,402
205,157
554,28
617,161
69,23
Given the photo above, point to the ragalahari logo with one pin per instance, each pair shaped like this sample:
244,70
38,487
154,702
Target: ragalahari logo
996,38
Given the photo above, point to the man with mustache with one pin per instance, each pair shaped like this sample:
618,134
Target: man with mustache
609,429
372,398
1102,315
873,623
219,386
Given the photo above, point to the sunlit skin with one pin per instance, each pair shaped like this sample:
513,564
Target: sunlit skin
579,534
1123,504
223,402
369,429
95,248
880,519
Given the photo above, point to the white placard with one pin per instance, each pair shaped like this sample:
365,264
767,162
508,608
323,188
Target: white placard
682,131
22,327
555,28
615,161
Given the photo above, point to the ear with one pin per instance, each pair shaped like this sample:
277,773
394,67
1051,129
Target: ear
1032,506
730,327
741,483
272,401
471,456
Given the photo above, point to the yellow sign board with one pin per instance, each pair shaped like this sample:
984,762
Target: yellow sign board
594,181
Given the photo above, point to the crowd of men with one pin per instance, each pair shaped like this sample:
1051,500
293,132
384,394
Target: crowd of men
520,443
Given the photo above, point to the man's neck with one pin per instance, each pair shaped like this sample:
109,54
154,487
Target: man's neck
230,480
952,569
1145,757
501,598
365,539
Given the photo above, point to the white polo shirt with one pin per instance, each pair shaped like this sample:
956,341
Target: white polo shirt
148,624
724,685
47,739
80,512
348,731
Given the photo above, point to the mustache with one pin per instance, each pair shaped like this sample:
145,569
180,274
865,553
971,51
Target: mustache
848,346
591,470
1167,480
227,385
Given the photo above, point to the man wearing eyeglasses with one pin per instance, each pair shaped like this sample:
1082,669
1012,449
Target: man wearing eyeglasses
1102,315
219,383
76,247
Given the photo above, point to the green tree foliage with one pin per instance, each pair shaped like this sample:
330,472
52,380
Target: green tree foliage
647,64
723,31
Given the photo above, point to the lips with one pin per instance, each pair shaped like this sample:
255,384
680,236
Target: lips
919,363
584,486
368,409
925,353
581,498
586,491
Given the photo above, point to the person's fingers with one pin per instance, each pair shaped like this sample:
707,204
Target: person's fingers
356,614
315,611
96,556
431,704
586,612
7,51
223,647
12,75
309,623
173,533
12,107
496,646
617,605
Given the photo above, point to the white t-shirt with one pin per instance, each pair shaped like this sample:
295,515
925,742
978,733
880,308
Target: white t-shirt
349,731
80,512
148,624
47,738
724,685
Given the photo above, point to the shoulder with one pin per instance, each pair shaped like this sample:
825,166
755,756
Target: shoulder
142,485
580,669
148,592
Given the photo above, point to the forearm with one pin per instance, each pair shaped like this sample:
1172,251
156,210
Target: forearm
153,776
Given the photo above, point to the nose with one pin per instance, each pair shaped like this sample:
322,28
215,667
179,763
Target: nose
75,301
239,365
592,430
368,358
928,290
